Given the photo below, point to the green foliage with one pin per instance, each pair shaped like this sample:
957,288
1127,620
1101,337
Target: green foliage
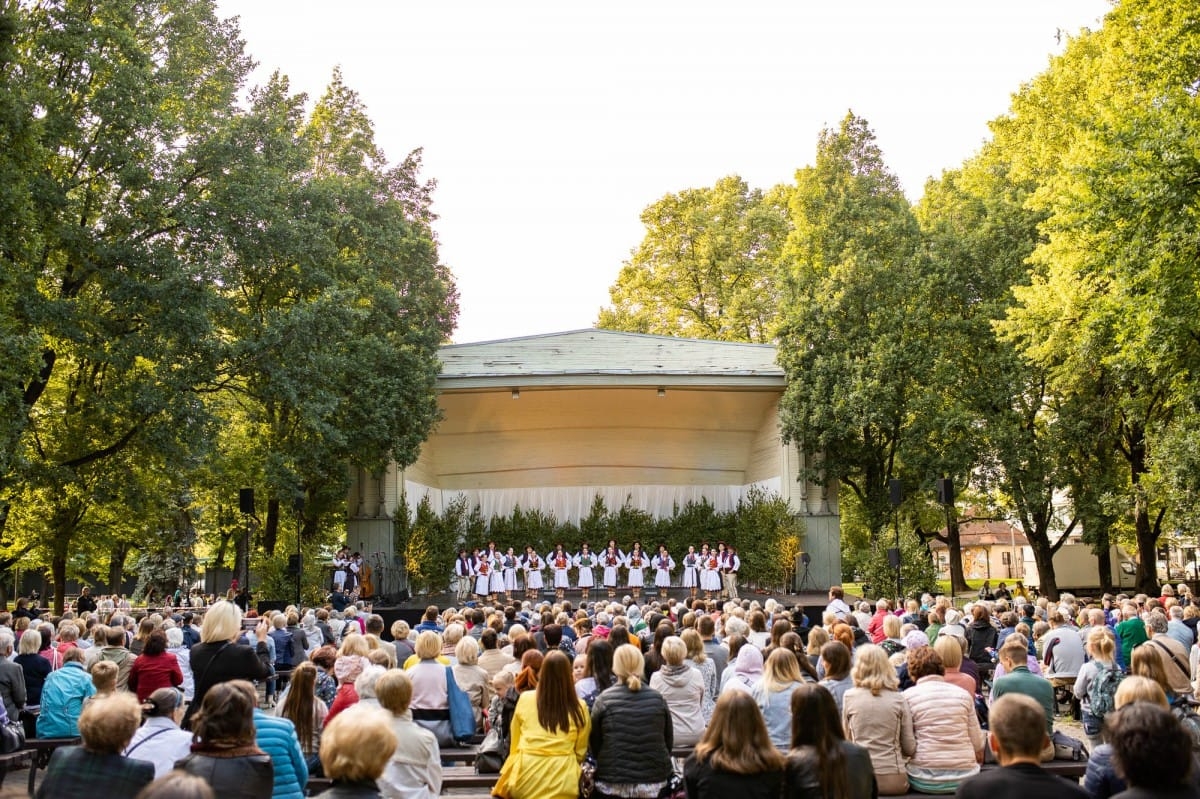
917,569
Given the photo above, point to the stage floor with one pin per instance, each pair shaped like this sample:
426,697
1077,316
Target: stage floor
810,600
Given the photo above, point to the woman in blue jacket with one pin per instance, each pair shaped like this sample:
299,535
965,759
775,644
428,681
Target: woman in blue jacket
277,737
63,696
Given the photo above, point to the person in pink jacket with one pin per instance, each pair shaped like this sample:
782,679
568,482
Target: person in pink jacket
941,712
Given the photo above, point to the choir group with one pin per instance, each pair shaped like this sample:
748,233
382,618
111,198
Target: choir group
487,572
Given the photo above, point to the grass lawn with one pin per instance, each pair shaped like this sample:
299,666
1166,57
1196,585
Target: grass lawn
855,589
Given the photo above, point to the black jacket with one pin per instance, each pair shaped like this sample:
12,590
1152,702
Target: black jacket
352,790
214,663
631,736
243,776
802,780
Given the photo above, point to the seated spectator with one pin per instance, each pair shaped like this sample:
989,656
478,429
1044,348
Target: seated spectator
12,678
183,656
683,688
951,654
96,769
154,668
949,741
225,753
306,711
355,749
876,716
735,757
159,740
1018,680
63,697
1101,645
1152,753
835,664
1101,780
472,679
773,694
1017,737
822,763
104,677
277,737
177,785
415,770
34,667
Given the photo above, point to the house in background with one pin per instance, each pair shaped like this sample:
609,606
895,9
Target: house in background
991,550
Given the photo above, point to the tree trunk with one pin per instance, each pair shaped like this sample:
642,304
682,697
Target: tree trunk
1147,543
1104,561
58,568
271,528
116,567
1043,558
958,580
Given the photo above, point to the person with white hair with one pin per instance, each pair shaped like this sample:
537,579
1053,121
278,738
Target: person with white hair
184,656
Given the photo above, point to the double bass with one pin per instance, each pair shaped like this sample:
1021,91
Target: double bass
366,589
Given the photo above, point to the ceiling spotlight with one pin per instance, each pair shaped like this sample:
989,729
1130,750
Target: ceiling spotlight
516,393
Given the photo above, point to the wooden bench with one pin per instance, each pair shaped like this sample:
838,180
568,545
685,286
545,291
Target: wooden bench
465,777
316,785
460,754
1072,770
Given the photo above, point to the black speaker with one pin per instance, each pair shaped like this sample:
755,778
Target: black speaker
293,567
896,492
894,557
390,615
945,491
805,558
272,604
246,501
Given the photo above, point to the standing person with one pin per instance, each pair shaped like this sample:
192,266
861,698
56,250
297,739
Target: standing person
483,575
225,753
730,573
533,565
837,603
691,571
1016,736
509,566
340,562
722,553
636,563
464,572
710,576
822,764
663,565
735,757
86,603
876,716
632,734
585,561
496,562
560,564
549,734
96,769
218,658
611,560
353,573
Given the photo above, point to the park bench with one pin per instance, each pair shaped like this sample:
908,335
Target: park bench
39,751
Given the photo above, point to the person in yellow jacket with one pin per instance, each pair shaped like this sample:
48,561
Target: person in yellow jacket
549,738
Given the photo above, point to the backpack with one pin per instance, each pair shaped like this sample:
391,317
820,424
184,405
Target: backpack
1190,719
1102,690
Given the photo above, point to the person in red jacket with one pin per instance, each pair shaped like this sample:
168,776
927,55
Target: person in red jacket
155,668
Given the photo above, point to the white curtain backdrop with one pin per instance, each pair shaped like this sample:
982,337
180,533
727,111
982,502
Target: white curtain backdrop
572,503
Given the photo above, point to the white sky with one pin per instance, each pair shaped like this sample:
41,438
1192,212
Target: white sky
549,127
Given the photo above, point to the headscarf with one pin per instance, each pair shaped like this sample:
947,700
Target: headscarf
748,669
347,668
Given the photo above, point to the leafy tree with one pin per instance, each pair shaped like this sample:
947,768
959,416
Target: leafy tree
706,268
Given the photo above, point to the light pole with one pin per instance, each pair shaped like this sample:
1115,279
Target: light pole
298,506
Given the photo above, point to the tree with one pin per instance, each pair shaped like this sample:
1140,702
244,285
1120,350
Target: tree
706,268
851,340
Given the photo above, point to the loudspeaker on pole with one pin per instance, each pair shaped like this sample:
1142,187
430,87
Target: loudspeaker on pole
896,492
893,554
246,501
945,491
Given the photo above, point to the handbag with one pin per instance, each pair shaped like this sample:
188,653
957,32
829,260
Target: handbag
12,736
493,751
675,787
462,717
587,777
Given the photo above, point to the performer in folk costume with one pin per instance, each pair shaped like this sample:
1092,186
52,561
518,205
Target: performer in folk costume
722,560
691,570
663,565
729,572
635,562
584,561
510,563
496,583
533,565
611,560
560,563
341,559
710,576
353,570
464,573
483,573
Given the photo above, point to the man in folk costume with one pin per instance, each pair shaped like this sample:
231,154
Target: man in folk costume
710,576
636,562
560,564
509,564
584,562
722,563
729,572
464,572
611,560
533,565
483,574
663,565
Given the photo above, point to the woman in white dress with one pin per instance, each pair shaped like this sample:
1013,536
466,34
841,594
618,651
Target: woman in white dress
636,562
663,565
710,575
483,574
560,563
496,571
509,565
691,571
340,559
533,565
584,561
611,560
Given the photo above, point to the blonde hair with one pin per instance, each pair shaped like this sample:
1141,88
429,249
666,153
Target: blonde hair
357,745
891,626
673,650
950,651
781,671
695,645
1102,644
1135,688
628,665
222,622
104,676
355,644
873,670
30,643
467,652
108,723
453,634
394,691
817,638
428,646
